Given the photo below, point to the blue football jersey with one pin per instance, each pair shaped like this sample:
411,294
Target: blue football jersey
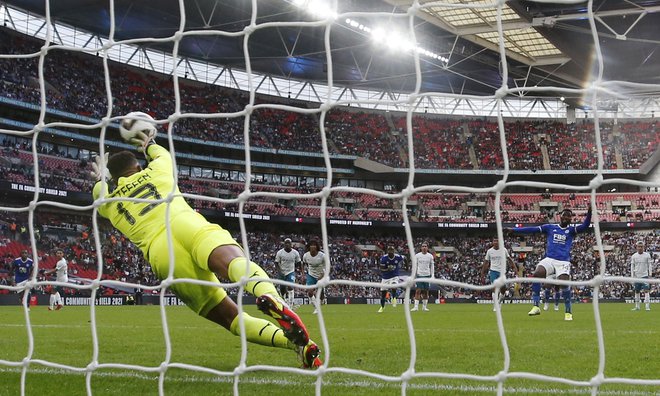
558,239
22,269
389,266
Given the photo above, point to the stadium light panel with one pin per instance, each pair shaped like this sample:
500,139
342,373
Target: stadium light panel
395,41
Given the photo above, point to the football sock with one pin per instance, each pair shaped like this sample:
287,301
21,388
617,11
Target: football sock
536,293
637,300
58,299
546,295
567,298
260,331
647,299
52,301
236,269
557,296
424,303
383,295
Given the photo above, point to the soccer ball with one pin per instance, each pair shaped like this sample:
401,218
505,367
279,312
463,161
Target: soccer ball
139,122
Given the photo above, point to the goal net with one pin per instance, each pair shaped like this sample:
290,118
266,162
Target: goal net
264,100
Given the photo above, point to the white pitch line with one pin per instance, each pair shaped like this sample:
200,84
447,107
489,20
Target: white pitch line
338,383
335,329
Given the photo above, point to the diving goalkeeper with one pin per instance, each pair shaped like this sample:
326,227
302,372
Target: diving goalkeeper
202,250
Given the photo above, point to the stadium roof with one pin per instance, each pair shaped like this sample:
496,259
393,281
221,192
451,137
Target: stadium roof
547,44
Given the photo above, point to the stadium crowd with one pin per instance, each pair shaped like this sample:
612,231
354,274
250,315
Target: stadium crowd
352,257
66,168
378,136
439,143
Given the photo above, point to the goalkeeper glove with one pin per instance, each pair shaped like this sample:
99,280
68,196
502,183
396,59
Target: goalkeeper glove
142,140
98,165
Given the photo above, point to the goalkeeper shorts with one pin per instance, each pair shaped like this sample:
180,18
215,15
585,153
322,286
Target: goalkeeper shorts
193,239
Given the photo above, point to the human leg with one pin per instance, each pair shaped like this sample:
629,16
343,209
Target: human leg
383,298
647,296
311,293
566,293
546,297
418,293
425,299
542,270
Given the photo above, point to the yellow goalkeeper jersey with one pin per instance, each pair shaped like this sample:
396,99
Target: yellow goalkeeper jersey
141,222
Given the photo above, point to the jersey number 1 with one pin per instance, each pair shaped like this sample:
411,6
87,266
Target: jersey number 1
149,191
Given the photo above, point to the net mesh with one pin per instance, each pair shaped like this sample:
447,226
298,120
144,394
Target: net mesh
593,92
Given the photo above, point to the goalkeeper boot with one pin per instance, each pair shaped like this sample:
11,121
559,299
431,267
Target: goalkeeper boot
289,321
568,316
309,355
534,311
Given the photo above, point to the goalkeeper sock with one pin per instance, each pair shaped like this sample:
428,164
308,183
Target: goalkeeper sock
236,269
567,298
536,293
260,331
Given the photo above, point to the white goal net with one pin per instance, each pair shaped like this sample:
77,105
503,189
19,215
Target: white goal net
327,17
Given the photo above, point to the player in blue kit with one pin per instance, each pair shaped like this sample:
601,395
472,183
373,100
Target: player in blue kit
557,259
389,272
22,267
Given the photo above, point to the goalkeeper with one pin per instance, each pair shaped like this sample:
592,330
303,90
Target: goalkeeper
202,250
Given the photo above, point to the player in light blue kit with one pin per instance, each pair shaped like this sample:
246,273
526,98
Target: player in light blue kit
557,259
389,272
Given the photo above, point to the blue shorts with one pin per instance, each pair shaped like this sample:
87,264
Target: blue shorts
290,277
493,275
423,285
641,285
311,280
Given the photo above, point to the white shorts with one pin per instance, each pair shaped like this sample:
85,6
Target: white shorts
22,284
555,267
390,281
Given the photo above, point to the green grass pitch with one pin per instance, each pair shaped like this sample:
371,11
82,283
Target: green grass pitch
456,339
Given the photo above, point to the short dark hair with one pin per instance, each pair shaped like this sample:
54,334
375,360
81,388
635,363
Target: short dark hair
315,243
567,210
120,163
